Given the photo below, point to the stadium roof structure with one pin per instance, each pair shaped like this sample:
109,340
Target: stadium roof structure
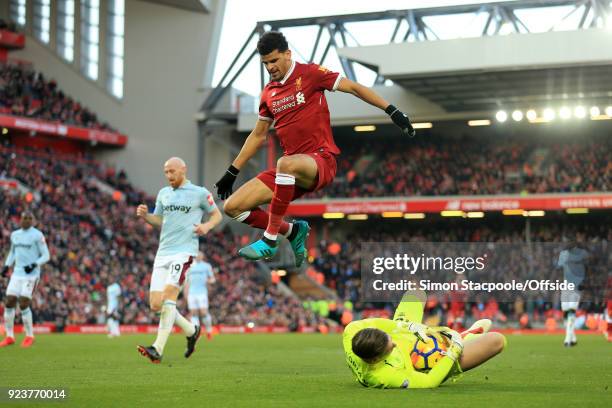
506,66
201,6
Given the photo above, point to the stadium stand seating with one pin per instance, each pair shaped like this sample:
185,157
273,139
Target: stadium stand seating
28,93
73,210
339,259
470,166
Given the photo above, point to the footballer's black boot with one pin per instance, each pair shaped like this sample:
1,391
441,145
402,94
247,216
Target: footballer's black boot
150,353
192,340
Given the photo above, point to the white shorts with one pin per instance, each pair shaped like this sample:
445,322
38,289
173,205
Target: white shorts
195,302
21,287
169,270
570,299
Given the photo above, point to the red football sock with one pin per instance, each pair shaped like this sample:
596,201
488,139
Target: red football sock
283,193
258,218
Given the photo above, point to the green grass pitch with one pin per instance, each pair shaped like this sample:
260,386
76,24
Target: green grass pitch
297,371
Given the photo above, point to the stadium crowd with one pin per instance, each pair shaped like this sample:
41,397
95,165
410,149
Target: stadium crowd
94,238
468,166
25,92
339,259
72,210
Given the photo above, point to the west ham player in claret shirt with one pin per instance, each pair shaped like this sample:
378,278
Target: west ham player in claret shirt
294,100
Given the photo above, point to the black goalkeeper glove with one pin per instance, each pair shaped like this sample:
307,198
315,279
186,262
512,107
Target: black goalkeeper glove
29,268
401,120
225,183
5,271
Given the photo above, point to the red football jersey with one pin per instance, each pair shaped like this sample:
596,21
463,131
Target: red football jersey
298,106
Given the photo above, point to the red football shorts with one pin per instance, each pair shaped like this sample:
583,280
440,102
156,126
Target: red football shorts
326,171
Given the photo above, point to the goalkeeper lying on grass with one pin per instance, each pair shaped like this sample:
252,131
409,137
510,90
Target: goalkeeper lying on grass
378,350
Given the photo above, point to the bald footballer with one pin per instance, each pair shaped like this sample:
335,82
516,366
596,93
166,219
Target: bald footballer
179,209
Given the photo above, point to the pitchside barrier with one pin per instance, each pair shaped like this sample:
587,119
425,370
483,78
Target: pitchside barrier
223,329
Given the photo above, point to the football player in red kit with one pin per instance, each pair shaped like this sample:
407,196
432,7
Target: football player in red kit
294,100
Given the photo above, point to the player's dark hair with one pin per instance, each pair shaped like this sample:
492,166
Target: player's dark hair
368,344
270,41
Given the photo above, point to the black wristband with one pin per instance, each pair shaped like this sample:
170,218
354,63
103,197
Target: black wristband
232,170
390,110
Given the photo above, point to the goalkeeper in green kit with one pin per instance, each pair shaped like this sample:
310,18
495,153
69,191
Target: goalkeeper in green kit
378,350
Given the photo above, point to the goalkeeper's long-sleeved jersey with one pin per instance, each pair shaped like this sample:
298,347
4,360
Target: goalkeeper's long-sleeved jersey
396,370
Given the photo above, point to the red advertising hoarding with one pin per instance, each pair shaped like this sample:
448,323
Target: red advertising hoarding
451,203
61,130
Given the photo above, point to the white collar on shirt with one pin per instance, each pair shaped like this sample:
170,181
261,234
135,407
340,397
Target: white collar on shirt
288,74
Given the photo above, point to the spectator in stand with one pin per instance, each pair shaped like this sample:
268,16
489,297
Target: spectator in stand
24,92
